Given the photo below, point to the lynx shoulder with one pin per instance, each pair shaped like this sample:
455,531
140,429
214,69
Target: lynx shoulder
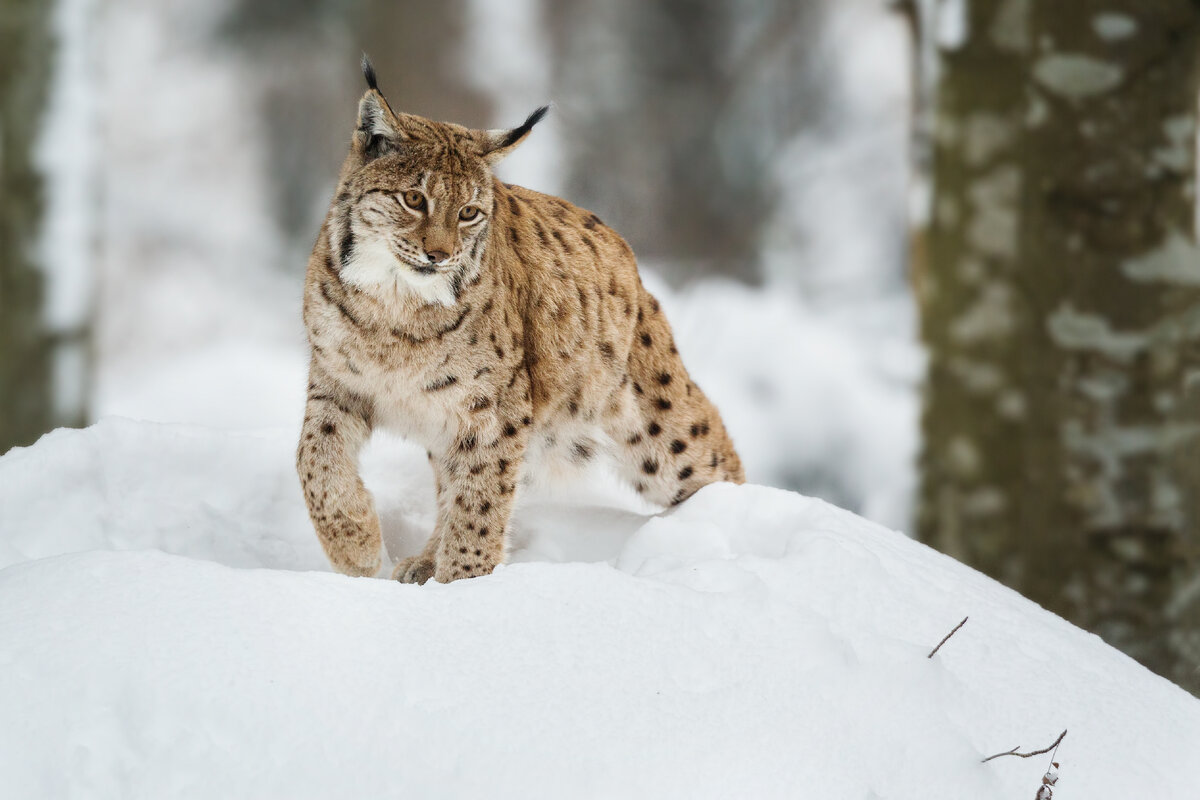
500,328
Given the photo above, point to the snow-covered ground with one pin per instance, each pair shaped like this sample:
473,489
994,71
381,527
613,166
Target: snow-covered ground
169,628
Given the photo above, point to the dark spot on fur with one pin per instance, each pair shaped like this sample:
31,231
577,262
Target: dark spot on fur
514,236
485,507
487,306
478,468
527,420
685,473
649,466
482,371
480,403
453,326
573,407
591,222
637,387
346,245
663,403
468,443
606,350
646,340
713,464
442,383
558,237
502,466
581,451
635,439
483,531
678,446
510,429
664,378
513,206
654,429
328,428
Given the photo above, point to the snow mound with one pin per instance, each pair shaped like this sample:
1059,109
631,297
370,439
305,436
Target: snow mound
168,628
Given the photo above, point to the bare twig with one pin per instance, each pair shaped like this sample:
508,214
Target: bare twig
948,635
1014,752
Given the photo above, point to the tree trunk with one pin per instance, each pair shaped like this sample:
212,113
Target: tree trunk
971,305
26,348
1062,314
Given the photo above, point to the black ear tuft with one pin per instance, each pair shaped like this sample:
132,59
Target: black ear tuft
515,134
369,73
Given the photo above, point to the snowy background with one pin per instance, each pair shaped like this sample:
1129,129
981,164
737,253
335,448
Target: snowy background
203,144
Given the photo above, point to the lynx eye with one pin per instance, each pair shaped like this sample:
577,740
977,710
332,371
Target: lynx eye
414,200
468,213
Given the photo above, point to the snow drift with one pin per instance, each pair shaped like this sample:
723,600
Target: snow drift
169,628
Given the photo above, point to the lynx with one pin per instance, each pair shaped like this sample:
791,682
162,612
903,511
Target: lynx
501,328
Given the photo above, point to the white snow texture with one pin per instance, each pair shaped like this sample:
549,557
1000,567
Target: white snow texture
169,628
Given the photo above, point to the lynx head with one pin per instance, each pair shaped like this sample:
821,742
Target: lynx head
416,198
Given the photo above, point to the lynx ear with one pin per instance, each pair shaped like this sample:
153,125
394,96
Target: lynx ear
496,144
380,130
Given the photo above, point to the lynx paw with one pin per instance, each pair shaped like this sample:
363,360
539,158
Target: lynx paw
414,569
351,538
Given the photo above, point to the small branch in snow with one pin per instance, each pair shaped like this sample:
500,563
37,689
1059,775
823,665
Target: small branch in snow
1014,752
948,635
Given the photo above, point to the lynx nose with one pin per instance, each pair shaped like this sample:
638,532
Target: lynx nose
435,256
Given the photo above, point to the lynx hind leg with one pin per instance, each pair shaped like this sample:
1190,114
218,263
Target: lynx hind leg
670,439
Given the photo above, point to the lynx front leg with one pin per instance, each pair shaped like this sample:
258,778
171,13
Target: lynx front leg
341,508
477,479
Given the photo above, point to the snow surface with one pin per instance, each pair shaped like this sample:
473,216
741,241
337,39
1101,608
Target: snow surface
169,628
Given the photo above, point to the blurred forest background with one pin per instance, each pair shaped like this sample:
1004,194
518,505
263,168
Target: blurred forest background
788,173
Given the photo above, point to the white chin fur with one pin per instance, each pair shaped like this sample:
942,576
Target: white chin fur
372,267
